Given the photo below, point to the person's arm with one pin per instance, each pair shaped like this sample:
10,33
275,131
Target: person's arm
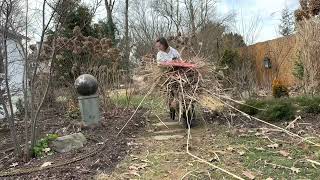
177,55
159,58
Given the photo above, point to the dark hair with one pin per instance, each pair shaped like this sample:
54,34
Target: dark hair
163,41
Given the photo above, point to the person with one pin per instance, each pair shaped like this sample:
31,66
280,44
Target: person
166,52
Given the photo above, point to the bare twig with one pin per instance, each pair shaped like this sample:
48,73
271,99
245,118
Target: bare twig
148,93
293,122
257,119
161,121
313,162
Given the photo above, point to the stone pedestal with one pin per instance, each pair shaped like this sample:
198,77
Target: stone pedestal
89,108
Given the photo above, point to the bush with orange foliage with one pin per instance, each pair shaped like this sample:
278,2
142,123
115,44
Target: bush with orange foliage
279,89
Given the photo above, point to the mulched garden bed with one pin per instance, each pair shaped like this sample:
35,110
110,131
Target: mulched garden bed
117,147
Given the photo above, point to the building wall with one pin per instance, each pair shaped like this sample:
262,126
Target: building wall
15,69
282,54
15,63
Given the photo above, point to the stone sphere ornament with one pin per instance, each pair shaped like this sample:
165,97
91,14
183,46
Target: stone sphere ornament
86,85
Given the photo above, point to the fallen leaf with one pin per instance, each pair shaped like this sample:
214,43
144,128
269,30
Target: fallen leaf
230,148
291,126
133,172
135,158
295,170
260,148
14,164
242,130
301,132
249,175
284,153
214,159
133,168
46,150
250,131
46,164
143,166
190,164
269,178
244,135
241,153
273,146
138,166
145,160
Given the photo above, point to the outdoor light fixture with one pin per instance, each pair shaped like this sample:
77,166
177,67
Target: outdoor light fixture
267,63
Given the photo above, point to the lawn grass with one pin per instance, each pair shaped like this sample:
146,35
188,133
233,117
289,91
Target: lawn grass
154,103
257,159
166,160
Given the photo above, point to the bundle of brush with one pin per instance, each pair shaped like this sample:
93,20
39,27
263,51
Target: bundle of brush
182,87
181,83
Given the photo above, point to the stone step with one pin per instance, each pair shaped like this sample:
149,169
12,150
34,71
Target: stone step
170,132
167,137
169,125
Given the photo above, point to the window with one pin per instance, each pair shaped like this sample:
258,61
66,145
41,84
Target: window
267,63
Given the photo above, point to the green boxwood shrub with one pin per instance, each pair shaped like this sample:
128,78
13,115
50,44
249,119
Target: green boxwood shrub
253,106
270,110
309,104
277,111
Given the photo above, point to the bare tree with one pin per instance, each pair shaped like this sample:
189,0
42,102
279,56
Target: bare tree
199,13
25,88
170,10
249,28
127,46
6,11
191,12
33,106
109,4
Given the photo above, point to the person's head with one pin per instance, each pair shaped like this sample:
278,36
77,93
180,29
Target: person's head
162,44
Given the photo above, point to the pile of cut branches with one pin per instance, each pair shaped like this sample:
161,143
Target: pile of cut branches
182,87
182,83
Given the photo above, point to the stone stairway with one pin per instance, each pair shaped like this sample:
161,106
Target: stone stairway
168,130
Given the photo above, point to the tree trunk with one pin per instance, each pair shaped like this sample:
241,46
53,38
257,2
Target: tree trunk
178,18
35,114
25,91
9,113
1,66
127,47
109,7
192,18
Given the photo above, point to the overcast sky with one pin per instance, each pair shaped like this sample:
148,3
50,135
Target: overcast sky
268,11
